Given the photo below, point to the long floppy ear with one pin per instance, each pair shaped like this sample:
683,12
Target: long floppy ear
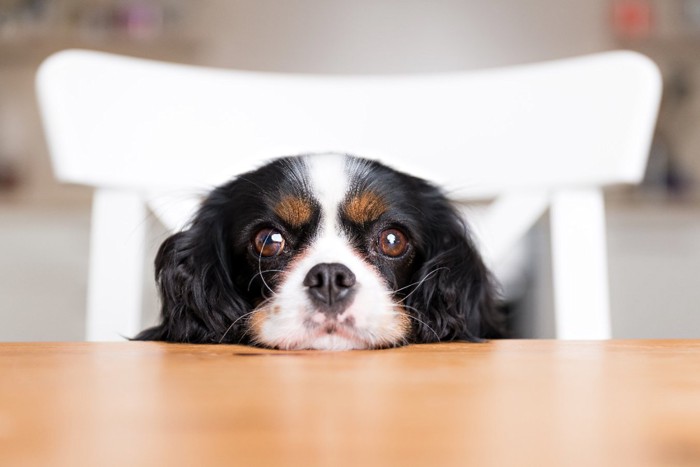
199,299
455,298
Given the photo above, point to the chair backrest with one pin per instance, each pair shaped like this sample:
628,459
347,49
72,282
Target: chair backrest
153,129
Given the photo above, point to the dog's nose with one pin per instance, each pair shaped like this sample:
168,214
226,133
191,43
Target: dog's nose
330,284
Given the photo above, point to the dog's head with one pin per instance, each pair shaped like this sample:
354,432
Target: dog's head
323,252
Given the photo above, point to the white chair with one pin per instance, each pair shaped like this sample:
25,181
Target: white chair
529,137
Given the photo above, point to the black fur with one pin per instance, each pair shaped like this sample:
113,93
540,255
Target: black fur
207,278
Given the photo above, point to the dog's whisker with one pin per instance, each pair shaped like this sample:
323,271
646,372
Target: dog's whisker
234,323
410,316
418,284
260,274
245,333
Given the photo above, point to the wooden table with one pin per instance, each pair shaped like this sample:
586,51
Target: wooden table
506,403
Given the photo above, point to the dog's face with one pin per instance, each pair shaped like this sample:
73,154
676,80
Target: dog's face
323,252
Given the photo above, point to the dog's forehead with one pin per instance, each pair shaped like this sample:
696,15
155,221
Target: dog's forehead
336,186
328,178
341,185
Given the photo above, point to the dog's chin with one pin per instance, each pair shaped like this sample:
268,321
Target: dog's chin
318,332
321,338
335,341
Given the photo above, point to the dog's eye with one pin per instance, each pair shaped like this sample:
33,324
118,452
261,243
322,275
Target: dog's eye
393,243
268,242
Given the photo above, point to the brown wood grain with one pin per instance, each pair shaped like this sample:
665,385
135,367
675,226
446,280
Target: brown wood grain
516,403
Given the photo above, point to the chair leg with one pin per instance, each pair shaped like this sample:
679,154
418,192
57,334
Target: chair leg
116,265
579,265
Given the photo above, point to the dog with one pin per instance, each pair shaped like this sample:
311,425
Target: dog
328,252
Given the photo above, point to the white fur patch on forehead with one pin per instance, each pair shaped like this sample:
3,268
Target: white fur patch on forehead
329,183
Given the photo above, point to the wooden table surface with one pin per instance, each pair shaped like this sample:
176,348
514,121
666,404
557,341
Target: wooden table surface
506,403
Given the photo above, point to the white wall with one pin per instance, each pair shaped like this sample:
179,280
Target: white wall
370,36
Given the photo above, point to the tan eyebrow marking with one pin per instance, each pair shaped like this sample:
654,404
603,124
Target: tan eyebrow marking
294,211
365,207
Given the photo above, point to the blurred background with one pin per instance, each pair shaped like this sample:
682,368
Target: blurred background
653,229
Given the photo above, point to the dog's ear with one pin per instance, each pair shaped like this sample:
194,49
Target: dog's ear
193,273
455,295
